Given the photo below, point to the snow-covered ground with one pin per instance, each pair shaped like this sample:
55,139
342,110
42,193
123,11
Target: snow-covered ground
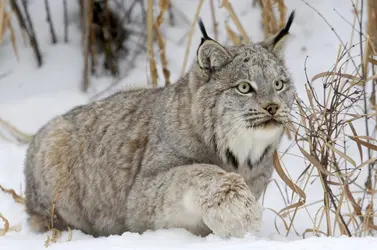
30,96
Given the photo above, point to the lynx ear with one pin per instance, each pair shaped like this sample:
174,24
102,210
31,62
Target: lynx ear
211,55
275,44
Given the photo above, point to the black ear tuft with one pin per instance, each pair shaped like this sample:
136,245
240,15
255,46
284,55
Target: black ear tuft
203,30
285,30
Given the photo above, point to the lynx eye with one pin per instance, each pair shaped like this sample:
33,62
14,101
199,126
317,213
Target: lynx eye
279,85
244,88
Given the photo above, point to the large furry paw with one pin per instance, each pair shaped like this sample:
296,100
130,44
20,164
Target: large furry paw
231,209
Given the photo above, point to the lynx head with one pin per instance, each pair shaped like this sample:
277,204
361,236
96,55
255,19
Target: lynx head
242,95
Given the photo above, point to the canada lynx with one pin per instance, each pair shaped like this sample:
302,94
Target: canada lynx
196,154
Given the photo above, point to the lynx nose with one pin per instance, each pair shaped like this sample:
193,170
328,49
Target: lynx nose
272,108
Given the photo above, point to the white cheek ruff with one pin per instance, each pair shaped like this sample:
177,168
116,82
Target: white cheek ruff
250,143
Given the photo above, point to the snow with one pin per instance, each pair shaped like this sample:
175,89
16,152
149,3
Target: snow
30,96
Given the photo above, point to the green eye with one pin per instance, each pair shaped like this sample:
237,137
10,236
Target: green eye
244,88
279,85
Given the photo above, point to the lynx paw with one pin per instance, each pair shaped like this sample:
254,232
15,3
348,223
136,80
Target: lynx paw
231,209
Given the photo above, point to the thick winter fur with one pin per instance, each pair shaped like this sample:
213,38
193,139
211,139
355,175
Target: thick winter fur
196,154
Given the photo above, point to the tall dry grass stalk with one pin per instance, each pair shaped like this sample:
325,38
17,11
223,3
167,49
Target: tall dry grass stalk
87,19
232,35
163,5
372,35
192,30
271,24
152,62
214,22
228,6
6,26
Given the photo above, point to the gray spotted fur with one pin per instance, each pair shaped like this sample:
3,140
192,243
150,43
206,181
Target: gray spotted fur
194,155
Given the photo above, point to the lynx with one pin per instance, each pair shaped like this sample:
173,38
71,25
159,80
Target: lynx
196,154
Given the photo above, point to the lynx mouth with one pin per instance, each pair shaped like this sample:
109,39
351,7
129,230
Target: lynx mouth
270,123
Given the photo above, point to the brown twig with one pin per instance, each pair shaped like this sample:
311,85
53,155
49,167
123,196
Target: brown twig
110,61
87,21
50,23
20,19
31,33
17,198
164,5
65,16
6,225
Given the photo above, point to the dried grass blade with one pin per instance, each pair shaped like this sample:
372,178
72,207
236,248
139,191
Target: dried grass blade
164,61
232,35
341,154
358,144
364,143
2,23
283,13
13,39
367,162
152,62
17,198
290,184
6,225
233,15
372,61
365,137
281,217
164,5
324,74
354,204
192,29
314,162
316,231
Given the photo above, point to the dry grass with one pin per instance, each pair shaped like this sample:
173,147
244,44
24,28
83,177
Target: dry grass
10,133
152,62
228,6
6,225
271,24
372,51
326,137
54,237
232,35
164,5
6,26
18,199
214,22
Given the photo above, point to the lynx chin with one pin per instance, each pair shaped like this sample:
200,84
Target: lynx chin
196,154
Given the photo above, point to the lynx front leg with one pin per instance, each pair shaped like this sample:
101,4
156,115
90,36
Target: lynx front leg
207,194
